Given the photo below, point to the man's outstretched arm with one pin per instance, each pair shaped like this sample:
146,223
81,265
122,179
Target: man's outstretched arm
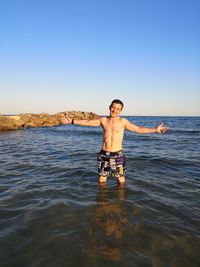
91,122
161,128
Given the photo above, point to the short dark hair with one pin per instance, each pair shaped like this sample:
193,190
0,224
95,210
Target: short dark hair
117,101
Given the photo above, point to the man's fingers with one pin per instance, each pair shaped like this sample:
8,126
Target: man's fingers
162,128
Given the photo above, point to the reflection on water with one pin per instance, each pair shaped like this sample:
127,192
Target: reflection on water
110,221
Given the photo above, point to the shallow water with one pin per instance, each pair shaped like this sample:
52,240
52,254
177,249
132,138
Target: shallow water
54,213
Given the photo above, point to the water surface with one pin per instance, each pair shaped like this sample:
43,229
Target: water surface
54,213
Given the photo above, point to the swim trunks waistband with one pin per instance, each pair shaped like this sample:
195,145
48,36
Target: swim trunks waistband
111,153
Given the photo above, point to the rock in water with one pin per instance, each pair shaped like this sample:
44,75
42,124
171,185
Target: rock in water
22,121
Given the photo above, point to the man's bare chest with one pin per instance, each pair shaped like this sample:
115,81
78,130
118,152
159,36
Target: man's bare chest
113,128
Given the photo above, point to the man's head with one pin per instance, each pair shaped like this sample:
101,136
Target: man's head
116,107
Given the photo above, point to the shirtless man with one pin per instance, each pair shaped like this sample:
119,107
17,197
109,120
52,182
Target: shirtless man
111,158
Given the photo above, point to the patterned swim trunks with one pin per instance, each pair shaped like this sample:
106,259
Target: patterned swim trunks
112,163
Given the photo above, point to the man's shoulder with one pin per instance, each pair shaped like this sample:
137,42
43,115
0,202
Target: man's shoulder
123,120
103,118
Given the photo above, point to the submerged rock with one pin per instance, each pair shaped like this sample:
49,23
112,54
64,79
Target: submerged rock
22,121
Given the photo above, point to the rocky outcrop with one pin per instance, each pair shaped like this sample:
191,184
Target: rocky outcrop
22,121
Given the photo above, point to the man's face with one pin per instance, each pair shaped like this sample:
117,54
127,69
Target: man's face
115,109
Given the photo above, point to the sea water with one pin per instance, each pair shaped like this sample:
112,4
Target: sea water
53,212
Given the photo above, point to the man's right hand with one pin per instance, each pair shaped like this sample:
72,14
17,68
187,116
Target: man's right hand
65,119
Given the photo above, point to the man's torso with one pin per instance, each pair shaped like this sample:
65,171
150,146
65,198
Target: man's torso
113,132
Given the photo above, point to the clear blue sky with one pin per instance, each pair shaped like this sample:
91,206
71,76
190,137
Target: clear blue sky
58,55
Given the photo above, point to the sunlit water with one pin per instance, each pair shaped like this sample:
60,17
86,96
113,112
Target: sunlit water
53,212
